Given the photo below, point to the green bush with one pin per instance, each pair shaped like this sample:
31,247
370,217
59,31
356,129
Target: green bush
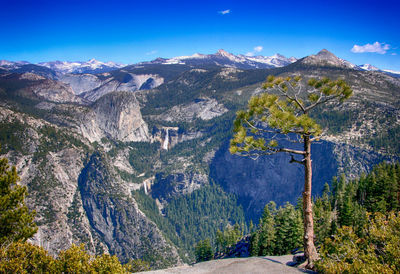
23,257
377,252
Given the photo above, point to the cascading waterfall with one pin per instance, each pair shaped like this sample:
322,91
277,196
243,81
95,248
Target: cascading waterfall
145,187
166,140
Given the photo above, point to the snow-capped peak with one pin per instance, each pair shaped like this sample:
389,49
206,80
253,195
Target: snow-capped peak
94,61
278,56
6,63
91,65
276,60
226,59
368,67
224,53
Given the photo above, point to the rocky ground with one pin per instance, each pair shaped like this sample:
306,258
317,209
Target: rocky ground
268,264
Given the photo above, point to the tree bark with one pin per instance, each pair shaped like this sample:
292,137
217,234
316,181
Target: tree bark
310,252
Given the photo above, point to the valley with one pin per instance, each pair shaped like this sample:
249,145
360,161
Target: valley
133,160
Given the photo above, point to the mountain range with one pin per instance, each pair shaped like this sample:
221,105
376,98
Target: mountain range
220,58
133,160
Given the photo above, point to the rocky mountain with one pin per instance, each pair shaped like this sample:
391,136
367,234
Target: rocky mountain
5,64
34,85
326,58
128,161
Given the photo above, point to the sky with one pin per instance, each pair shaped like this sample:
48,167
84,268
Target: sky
133,31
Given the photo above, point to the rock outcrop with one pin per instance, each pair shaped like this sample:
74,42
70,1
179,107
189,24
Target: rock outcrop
116,116
173,185
115,217
202,108
274,178
125,82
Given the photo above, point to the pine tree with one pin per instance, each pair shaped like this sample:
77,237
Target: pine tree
283,113
203,251
289,229
267,233
16,221
323,215
254,243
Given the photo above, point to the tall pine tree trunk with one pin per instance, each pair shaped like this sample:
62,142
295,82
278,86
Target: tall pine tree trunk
310,251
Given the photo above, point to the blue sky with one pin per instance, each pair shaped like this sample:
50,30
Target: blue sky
134,31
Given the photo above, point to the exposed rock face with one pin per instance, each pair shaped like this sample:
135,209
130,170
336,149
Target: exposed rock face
60,215
326,58
81,82
273,178
116,116
129,82
77,202
51,176
353,161
55,91
114,215
36,86
174,185
204,108
170,136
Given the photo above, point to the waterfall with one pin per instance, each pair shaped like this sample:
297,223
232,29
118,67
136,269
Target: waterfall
145,187
166,140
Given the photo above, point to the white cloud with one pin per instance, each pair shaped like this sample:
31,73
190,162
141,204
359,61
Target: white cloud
151,52
258,48
223,12
377,47
255,50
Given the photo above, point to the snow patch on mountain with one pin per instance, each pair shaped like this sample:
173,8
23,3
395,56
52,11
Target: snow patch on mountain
92,65
368,67
225,59
276,60
392,71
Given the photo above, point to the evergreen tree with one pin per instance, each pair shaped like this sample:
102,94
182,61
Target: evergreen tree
323,215
380,190
16,221
289,229
229,237
203,251
267,237
285,111
220,241
254,243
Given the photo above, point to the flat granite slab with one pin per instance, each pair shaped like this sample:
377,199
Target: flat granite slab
268,264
